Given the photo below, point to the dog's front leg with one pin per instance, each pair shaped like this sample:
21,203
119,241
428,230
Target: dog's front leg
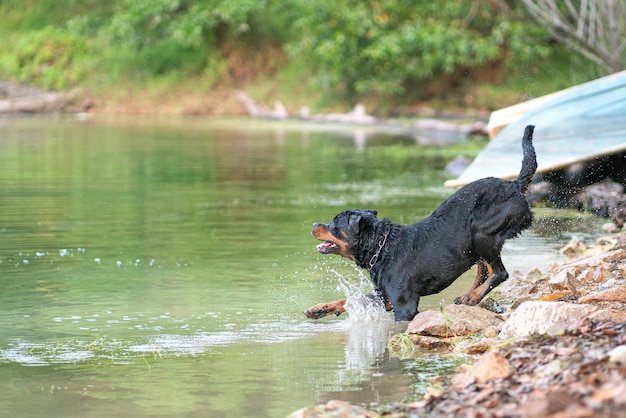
324,309
380,296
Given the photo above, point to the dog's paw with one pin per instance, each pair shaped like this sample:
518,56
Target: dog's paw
324,309
466,300
316,313
471,300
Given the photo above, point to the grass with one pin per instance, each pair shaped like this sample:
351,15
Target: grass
401,346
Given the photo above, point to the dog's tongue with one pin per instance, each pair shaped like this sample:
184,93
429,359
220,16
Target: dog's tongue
324,245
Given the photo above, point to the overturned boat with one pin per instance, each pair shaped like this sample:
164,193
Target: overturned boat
578,124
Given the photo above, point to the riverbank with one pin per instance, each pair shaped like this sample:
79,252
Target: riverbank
553,344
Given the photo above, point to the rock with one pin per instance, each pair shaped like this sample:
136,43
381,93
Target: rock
597,259
618,354
557,403
430,343
491,365
569,375
518,287
539,317
585,276
616,294
565,280
457,166
606,243
609,227
560,295
334,408
453,320
481,346
574,248
609,315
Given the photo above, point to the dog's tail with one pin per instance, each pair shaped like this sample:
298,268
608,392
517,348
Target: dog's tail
529,162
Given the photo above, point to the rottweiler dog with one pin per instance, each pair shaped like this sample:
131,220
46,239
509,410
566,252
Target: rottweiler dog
406,262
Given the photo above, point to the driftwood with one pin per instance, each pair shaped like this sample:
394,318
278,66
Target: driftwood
424,131
20,99
358,115
259,110
256,109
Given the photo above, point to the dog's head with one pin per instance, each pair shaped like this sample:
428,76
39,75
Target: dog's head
345,233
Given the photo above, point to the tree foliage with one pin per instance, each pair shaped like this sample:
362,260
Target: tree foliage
166,35
50,58
352,47
378,46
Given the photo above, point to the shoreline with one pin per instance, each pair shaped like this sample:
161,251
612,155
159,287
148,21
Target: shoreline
556,347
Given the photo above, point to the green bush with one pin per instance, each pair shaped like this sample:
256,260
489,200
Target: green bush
49,58
380,47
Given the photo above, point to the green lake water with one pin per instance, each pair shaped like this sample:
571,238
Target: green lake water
160,266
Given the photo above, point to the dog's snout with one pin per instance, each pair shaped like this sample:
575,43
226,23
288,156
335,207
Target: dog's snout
319,229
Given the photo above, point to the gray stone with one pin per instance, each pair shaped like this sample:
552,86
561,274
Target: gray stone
539,317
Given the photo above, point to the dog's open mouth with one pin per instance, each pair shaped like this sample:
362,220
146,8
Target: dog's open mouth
327,247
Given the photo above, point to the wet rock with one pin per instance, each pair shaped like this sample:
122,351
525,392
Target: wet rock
594,192
539,317
480,346
334,408
456,167
430,343
574,248
453,320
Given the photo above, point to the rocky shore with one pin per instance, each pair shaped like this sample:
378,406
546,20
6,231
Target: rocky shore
551,343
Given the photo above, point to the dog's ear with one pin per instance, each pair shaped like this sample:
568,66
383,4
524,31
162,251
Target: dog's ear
353,223
358,219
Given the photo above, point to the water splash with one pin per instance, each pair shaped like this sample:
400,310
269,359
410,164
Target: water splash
360,307
367,324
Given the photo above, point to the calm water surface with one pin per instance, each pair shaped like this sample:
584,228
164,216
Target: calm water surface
155,267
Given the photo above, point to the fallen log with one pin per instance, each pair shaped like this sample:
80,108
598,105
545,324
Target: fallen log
36,103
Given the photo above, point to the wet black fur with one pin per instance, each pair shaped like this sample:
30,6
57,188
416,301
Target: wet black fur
426,257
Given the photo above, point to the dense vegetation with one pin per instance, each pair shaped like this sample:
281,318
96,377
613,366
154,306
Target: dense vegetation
394,53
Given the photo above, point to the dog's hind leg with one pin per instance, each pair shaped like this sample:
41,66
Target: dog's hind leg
482,273
497,274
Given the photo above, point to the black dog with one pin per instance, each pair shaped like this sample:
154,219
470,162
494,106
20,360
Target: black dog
409,261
